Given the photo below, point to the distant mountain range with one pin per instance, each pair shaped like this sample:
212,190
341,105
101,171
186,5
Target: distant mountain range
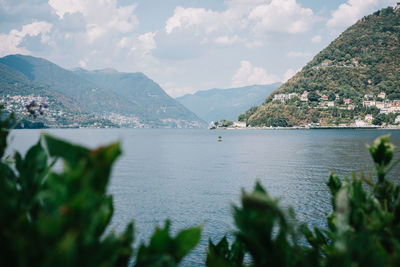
90,98
356,79
217,104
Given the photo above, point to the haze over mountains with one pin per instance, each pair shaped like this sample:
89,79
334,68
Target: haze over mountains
217,104
92,98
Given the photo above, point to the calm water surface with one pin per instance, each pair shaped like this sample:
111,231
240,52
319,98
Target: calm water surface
190,177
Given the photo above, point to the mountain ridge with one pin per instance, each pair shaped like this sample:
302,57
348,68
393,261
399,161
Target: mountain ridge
40,76
216,104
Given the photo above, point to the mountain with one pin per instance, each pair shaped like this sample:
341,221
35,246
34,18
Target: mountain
14,83
148,98
89,95
17,90
357,75
217,104
125,99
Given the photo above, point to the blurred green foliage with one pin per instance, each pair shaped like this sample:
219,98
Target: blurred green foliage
62,218
164,250
363,227
221,255
53,218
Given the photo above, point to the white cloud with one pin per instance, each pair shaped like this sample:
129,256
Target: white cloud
289,74
316,39
62,7
226,40
259,16
249,75
147,42
353,10
174,90
10,43
94,32
82,63
294,54
254,44
190,17
140,45
101,17
285,16
124,42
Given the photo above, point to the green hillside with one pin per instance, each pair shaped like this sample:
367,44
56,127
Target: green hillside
84,98
341,84
17,90
60,80
148,99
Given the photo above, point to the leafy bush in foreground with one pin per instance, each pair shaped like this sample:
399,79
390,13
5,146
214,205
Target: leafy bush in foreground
363,227
60,219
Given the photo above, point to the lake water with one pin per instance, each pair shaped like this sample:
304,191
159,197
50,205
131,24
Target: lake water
190,177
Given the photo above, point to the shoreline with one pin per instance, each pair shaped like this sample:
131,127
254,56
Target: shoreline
314,128
237,128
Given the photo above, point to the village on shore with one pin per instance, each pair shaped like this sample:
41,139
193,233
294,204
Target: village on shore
380,102
384,105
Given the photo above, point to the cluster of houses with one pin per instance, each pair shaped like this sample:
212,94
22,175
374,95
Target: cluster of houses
379,101
304,98
123,120
16,103
284,97
385,106
54,116
368,121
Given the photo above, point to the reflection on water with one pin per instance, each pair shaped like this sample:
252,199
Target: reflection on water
190,177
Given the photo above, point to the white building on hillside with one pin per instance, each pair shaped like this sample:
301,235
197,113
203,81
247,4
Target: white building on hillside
293,95
360,123
280,97
369,103
239,124
369,96
382,95
304,96
369,118
397,120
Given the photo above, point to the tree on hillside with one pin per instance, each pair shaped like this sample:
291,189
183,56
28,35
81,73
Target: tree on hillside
377,120
332,96
313,97
225,123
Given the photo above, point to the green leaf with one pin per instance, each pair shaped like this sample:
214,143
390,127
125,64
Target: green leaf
382,151
160,241
70,153
186,240
334,184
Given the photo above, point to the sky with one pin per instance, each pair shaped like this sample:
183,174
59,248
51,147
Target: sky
184,45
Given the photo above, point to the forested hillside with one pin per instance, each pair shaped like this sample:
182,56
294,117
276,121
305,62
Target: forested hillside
84,98
356,79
